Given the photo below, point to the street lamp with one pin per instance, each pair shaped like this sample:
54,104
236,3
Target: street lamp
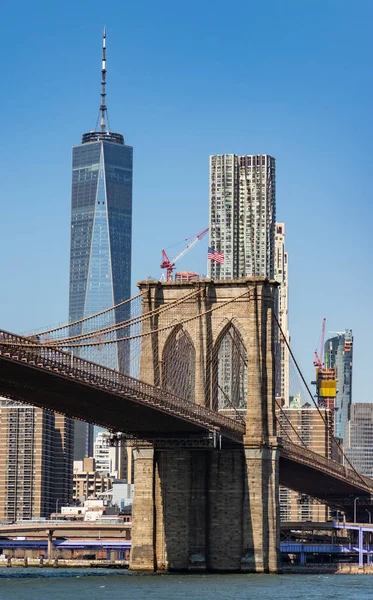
370,515
57,501
356,499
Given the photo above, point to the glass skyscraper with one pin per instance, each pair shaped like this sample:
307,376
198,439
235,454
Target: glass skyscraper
101,232
338,355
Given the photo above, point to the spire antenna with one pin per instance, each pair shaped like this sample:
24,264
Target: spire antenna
103,132
103,107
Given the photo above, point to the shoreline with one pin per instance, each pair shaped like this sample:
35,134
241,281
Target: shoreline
316,569
62,563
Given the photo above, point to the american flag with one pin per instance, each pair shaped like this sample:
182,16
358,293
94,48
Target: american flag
215,255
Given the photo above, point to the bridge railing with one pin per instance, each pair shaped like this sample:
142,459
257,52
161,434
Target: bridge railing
64,363
308,457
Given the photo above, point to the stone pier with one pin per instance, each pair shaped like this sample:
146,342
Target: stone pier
206,510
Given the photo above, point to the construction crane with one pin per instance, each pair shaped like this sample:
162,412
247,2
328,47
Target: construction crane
318,362
169,265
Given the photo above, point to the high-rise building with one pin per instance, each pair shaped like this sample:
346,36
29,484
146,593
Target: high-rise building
281,275
312,427
110,460
338,356
359,444
242,215
87,481
63,455
100,249
35,461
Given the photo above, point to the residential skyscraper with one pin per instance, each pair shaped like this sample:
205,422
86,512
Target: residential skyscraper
101,233
281,275
36,448
338,354
242,215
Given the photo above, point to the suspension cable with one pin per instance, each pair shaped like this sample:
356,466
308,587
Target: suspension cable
106,310
52,346
141,335
123,324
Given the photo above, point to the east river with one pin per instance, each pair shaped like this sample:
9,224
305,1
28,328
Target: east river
82,584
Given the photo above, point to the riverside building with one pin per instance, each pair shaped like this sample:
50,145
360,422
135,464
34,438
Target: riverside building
359,446
36,448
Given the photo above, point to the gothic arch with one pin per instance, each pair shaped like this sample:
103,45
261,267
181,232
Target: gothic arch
229,371
179,364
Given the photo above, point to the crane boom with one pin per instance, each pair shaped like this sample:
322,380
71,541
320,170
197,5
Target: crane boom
318,362
169,264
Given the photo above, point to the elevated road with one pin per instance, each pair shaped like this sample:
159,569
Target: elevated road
68,529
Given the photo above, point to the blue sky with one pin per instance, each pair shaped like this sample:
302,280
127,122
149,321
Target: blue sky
186,80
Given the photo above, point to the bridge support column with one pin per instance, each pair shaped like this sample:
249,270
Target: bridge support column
169,510
261,516
142,551
361,547
50,544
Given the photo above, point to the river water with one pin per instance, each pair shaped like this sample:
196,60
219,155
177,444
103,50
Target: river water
87,584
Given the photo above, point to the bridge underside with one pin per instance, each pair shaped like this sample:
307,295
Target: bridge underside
117,412
49,390
331,490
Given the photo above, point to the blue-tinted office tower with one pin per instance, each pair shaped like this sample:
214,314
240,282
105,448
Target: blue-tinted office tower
338,355
100,250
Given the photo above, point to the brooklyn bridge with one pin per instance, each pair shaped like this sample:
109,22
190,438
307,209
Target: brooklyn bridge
198,404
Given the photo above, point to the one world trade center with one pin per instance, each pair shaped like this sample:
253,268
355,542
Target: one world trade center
101,232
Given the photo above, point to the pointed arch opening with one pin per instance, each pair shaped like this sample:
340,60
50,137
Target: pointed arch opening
179,364
230,373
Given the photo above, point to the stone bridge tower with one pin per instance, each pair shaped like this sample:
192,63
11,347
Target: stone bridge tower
210,508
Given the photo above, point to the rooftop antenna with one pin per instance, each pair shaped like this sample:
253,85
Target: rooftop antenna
103,108
103,132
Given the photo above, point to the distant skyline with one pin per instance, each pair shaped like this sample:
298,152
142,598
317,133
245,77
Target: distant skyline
185,82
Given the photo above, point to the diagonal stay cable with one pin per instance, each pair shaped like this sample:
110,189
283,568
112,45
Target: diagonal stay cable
290,423
313,400
239,417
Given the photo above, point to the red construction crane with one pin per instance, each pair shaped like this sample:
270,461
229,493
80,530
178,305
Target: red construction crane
318,362
169,265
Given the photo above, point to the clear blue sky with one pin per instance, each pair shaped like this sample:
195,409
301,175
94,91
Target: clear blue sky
185,80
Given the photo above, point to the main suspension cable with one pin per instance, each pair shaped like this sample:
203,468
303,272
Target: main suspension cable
84,319
122,325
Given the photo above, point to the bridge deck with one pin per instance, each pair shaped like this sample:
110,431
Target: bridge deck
54,380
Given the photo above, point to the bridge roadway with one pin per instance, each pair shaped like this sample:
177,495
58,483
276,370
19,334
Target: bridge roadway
57,381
